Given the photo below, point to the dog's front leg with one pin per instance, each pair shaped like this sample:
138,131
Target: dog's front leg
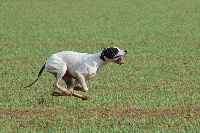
71,88
81,79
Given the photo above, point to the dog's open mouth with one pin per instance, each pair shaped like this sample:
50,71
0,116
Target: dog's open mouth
119,60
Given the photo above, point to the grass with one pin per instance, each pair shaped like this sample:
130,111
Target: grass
157,90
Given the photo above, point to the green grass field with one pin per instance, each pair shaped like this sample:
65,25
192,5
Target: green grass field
156,90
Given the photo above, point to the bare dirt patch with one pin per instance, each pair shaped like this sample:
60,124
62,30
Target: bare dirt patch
104,113
146,112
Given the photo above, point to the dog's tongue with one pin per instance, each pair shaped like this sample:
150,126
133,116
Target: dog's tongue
119,60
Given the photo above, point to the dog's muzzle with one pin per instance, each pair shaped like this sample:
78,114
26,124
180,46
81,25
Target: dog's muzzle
119,59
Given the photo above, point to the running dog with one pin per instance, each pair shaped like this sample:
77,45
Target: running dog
69,65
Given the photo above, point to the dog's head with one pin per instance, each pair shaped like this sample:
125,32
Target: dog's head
113,54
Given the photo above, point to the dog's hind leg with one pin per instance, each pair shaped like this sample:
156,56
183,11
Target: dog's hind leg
57,67
59,73
68,79
71,88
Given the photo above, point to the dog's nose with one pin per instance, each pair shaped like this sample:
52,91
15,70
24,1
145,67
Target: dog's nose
125,51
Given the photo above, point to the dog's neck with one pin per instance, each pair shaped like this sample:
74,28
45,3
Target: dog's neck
97,59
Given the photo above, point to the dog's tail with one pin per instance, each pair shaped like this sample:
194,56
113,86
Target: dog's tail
41,70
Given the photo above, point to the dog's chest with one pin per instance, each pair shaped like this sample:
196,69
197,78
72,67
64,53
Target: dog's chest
88,71
92,72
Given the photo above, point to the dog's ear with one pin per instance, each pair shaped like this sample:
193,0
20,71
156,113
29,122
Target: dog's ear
103,48
103,53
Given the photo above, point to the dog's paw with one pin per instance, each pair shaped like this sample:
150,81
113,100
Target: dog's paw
68,92
84,98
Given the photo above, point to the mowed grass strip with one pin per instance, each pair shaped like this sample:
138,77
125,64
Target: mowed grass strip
156,90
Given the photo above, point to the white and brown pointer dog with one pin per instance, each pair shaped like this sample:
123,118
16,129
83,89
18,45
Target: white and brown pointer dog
69,65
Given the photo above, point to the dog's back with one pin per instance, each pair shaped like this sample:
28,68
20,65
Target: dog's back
72,59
